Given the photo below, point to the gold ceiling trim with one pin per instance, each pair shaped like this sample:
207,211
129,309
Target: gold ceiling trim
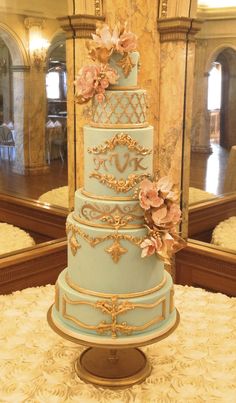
164,8
107,295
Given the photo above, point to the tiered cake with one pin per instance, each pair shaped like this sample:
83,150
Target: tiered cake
108,293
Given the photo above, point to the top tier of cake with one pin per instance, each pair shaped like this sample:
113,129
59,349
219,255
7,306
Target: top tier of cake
125,82
124,105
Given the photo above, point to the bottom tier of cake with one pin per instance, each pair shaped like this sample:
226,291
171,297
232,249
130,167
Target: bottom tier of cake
114,319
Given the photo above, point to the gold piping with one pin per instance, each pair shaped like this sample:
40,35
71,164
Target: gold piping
91,224
107,295
111,198
119,125
113,308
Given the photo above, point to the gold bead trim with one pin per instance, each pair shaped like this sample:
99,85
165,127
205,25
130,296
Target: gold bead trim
119,125
111,198
119,185
114,308
107,295
120,139
116,222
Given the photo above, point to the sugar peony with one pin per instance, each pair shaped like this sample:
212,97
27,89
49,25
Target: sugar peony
86,81
127,43
148,195
150,246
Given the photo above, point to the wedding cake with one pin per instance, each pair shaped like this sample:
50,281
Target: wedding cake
109,293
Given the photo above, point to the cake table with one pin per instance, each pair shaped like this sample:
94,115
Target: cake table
197,363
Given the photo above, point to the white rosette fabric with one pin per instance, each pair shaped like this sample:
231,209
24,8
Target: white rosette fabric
197,363
58,197
13,238
224,234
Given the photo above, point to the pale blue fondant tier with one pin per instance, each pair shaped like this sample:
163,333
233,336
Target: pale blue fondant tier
102,169
92,315
94,267
131,79
94,211
120,109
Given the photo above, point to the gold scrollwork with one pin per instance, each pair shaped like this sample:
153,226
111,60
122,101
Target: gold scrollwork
115,250
114,308
110,214
172,306
120,139
119,185
73,242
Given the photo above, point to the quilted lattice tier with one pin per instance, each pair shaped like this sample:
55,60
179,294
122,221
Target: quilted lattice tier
121,109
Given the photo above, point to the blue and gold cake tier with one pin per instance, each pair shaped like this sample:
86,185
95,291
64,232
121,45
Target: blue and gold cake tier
116,160
121,109
102,317
102,258
109,294
102,212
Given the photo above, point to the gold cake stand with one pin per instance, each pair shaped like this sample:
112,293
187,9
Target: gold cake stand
109,365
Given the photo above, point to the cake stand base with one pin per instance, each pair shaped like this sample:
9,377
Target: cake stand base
111,365
113,368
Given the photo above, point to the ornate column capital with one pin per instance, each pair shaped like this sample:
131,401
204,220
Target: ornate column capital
80,25
34,22
178,29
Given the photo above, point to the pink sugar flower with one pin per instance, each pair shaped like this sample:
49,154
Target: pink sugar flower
173,214
127,42
104,38
148,195
159,215
165,186
85,82
150,246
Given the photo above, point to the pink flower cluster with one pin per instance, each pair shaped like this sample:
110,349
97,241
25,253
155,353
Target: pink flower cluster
162,214
119,40
92,80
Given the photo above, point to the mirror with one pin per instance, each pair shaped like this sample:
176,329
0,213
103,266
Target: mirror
33,121
33,117
213,136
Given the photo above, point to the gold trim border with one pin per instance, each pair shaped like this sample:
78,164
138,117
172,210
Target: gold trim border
111,226
122,88
107,295
119,125
113,311
111,198
120,343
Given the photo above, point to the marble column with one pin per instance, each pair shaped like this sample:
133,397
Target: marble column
78,27
176,94
141,16
200,131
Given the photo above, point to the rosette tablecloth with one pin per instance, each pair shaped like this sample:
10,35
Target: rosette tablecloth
13,238
198,195
58,197
224,234
197,363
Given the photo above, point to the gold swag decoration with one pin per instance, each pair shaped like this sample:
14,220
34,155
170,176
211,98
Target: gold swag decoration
120,139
